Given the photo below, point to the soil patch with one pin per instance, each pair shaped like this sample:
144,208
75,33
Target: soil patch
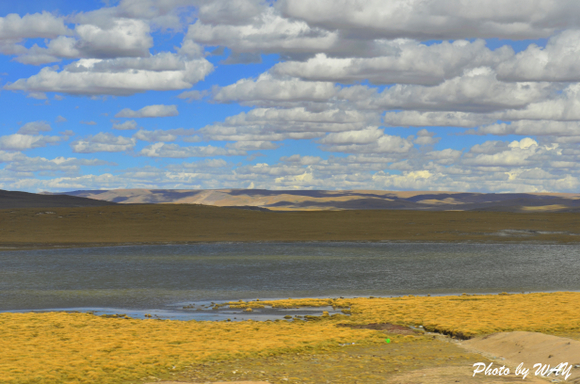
387,327
529,348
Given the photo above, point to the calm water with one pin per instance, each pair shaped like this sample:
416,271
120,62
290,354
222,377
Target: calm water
142,278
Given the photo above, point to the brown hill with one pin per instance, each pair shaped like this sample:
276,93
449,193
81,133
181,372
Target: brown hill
16,199
308,200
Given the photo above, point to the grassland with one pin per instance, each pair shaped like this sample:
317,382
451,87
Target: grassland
83,348
175,223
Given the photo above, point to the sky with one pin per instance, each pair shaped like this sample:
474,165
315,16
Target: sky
442,95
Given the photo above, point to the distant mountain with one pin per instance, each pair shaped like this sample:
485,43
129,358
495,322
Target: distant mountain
16,199
296,200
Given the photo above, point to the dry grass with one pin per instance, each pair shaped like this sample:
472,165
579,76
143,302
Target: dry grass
124,224
82,348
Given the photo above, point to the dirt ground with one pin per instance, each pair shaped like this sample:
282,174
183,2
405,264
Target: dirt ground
434,359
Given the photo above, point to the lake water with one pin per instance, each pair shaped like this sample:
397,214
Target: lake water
162,279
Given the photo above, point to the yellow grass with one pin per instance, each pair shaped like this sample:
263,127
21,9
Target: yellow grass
83,348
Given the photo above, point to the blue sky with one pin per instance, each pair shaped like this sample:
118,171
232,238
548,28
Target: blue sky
291,94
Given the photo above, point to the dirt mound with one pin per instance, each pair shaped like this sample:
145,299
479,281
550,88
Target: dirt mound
528,348
447,375
389,328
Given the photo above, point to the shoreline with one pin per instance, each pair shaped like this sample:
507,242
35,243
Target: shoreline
49,246
107,311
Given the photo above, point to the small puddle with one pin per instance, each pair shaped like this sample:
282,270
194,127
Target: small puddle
199,311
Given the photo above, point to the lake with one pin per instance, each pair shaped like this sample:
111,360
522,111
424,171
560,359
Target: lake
161,279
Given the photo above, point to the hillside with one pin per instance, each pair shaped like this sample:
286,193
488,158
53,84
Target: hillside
16,199
308,200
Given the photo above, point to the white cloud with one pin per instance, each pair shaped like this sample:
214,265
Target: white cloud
532,127
127,125
14,28
252,145
272,124
266,89
120,37
34,128
122,76
59,164
103,142
162,14
301,160
436,119
175,151
266,32
415,180
60,119
158,110
8,156
365,136
562,107
19,142
558,61
477,90
192,95
425,137
406,62
437,19
446,156
154,136
347,143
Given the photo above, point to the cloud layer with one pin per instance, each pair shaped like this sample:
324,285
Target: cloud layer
407,94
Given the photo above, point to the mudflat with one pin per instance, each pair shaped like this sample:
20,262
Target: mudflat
183,223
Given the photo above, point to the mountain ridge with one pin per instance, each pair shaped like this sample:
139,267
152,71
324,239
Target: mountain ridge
313,200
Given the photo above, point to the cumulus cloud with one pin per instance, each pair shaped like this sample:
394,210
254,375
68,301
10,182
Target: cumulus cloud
14,28
20,142
118,38
477,90
121,76
176,151
159,110
252,145
103,142
532,127
266,31
154,136
564,106
266,89
274,124
436,19
34,128
127,125
517,153
558,61
365,136
425,137
407,62
436,119
192,95
371,141
59,164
